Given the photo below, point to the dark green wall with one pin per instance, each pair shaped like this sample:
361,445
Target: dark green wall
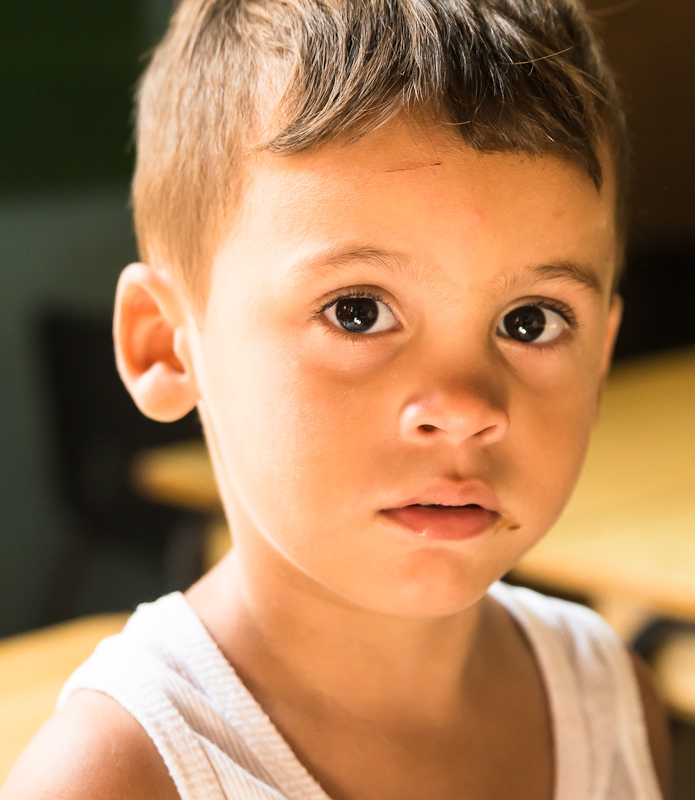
68,69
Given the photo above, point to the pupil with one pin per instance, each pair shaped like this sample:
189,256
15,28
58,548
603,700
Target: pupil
526,323
356,313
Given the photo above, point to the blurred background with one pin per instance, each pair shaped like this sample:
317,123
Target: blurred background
75,536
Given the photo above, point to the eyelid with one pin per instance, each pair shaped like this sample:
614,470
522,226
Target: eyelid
565,311
348,294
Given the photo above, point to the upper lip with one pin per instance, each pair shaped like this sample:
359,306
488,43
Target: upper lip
470,492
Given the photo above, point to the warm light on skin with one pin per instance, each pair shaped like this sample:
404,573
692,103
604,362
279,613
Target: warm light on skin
363,641
314,431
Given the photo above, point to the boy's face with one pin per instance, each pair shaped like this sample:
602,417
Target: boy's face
363,355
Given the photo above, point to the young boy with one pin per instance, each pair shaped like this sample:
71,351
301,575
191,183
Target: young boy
382,240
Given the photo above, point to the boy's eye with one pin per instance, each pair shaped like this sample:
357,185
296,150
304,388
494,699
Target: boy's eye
532,323
360,314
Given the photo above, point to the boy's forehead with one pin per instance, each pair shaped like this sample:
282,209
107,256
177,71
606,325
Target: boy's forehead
401,144
387,205
406,156
372,193
416,145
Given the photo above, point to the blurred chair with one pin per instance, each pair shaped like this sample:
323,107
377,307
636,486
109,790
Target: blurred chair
673,664
96,433
668,646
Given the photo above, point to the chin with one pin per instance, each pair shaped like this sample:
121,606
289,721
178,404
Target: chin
433,584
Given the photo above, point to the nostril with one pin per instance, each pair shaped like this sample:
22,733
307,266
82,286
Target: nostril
488,433
427,428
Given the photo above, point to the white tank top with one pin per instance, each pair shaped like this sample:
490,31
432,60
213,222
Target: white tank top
218,744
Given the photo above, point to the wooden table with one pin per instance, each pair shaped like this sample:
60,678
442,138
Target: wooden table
178,474
181,475
627,538
33,668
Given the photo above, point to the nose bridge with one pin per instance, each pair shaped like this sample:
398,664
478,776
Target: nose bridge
457,400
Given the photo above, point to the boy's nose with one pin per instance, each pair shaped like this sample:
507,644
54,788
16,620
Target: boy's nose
455,417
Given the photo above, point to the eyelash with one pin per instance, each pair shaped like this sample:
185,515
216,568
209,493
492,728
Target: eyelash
553,305
353,338
545,348
350,295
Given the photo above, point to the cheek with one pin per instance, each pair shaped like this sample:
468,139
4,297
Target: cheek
297,435
550,444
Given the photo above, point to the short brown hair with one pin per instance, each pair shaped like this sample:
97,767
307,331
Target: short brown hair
234,76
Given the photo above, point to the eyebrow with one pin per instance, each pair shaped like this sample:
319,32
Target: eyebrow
572,271
394,263
388,262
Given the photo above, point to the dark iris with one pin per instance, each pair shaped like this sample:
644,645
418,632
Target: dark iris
525,324
356,313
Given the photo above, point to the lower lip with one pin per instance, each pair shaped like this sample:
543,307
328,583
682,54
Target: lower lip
444,524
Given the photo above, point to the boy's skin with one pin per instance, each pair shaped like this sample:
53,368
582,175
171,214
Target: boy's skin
375,650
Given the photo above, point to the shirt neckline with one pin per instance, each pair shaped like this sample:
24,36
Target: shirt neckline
243,711
570,744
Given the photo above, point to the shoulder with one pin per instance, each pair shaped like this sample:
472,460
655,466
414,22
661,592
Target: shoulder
656,723
586,640
90,748
572,626
601,666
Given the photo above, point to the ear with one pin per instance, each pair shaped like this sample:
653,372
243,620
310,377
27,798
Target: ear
615,315
152,328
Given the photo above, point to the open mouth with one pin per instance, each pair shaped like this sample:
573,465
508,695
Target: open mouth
443,522
438,505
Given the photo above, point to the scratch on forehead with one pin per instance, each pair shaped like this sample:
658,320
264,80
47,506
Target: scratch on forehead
413,167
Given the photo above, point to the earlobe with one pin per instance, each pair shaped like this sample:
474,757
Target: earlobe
151,331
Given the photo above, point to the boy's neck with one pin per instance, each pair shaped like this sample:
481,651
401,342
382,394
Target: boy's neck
287,642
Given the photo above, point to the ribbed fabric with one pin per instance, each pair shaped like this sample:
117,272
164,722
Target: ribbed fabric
601,746
218,744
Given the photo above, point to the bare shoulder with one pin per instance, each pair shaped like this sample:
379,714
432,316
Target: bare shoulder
657,724
91,748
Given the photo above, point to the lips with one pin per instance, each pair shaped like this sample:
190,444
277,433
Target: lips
448,513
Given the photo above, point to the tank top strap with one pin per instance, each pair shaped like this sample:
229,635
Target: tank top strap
165,669
600,739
